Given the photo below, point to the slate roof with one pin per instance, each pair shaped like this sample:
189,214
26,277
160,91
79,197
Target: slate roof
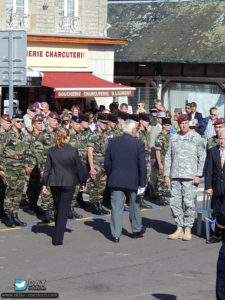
182,32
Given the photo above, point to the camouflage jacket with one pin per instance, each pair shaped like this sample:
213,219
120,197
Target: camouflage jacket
74,139
82,141
99,142
118,131
185,156
13,150
162,144
45,141
34,149
111,133
212,142
144,136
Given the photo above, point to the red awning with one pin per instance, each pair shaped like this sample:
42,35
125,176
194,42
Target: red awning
83,85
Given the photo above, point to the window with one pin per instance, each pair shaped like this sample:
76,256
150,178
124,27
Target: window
17,14
68,16
17,6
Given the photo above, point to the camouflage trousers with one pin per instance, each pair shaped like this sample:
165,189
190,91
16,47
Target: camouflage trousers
15,180
46,201
77,190
183,193
161,187
97,186
153,180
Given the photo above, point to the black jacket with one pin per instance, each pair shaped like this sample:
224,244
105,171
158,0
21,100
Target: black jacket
64,167
125,162
214,174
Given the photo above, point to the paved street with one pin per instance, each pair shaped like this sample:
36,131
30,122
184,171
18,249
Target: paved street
90,266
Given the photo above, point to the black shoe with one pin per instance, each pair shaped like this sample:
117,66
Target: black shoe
57,243
75,214
8,220
30,211
46,217
98,209
17,221
145,205
139,234
116,240
213,240
104,211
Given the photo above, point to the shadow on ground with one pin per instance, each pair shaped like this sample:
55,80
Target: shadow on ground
164,296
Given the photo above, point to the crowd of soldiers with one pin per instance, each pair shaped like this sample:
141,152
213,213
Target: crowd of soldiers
25,140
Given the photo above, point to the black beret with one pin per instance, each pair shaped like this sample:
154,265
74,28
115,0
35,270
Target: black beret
123,115
103,117
153,108
17,116
112,118
76,119
166,121
144,116
134,117
84,117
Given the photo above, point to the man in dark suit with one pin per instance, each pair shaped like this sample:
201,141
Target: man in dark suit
126,170
194,114
215,174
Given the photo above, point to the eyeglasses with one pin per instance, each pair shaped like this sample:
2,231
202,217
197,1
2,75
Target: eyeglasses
65,121
19,121
213,114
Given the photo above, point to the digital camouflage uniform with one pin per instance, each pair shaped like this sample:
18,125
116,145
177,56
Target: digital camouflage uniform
44,142
162,144
143,135
184,161
13,163
34,149
99,142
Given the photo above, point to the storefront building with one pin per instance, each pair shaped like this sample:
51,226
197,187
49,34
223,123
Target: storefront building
70,60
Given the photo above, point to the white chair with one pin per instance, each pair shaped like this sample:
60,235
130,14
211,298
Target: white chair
206,211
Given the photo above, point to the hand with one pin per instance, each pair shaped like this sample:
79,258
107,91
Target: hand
161,169
28,170
93,173
167,180
82,188
209,192
45,190
196,180
42,173
2,175
149,128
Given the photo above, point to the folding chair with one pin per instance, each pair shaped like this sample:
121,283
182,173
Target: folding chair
206,211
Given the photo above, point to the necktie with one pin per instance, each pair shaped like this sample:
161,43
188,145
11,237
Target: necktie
222,157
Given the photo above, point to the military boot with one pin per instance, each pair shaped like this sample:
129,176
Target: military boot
178,234
8,220
187,234
46,217
103,211
17,221
70,214
75,214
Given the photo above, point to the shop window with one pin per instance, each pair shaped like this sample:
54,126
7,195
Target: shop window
68,16
17,14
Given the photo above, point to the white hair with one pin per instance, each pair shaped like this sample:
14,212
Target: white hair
222,130
128,126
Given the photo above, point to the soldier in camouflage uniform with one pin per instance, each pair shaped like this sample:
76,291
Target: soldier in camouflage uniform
135,117
161,146
143,135
34,148
6,124
214,141
122,117
47,139
13,164
75,142
183,168
111,129
97,144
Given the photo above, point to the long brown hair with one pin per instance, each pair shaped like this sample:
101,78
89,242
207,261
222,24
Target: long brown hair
60,137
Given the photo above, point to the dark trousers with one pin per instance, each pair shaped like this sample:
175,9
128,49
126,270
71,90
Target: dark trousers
2,197
220,280
216,204
62,197
34,188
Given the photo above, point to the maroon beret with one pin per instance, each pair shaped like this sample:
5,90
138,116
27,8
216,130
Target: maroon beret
6,118
219,121
54,115
37,119
103,117
182,118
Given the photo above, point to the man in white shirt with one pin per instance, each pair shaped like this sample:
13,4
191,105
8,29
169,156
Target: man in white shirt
31,110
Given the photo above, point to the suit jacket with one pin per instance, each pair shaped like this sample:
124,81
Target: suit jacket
214,174
64,167
125,163
198,116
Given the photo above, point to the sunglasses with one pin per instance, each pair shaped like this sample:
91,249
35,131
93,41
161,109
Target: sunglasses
19,121
213,114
